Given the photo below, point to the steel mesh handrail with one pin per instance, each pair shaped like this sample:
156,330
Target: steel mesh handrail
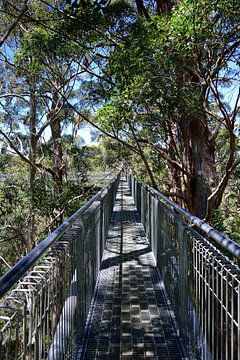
19,269
43,313
210,231
202,281
43,316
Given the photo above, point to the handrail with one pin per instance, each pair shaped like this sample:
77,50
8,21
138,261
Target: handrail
220,238
201,280
19,269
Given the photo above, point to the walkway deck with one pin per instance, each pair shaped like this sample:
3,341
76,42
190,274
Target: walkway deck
129,317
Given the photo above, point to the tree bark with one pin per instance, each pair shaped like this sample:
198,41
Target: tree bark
14,24
57,155
141,9
57,151
199,160
57,158
32,168
163,6
176,186
141,153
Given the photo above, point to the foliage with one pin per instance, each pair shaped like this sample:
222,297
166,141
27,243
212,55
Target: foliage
153,82
16,195
168,77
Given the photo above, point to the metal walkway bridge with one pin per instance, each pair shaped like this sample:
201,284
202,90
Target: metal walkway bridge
126,277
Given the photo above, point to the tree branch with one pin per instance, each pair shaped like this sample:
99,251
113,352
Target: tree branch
84,117
165,156
25,158
21,96
14,24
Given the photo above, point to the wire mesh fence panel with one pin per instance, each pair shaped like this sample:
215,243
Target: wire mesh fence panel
46,296
200,272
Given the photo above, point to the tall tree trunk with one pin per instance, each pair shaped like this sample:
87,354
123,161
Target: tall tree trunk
198,151
164,6
57,151
199,161
57,157
144,159
176,186
32,169
142,9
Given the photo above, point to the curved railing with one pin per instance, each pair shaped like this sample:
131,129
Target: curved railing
223,240
203,283
47,294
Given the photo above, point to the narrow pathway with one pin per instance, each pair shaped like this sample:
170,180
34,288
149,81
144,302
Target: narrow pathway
129,318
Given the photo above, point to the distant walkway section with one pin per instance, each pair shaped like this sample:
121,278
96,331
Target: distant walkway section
130,316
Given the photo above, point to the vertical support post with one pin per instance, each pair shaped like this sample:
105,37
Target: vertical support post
183,273
155,227
78,232
139,198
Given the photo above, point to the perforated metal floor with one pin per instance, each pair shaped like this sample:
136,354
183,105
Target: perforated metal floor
130,316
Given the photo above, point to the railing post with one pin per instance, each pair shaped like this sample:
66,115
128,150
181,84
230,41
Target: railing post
134,183
182,260
90,221
81,303
144,210
149,216
142,205
155,231
102,239
131,185
139,198
164,248
97,237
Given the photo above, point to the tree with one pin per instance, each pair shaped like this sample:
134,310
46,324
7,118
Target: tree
149,76
169,74
161,79
33,80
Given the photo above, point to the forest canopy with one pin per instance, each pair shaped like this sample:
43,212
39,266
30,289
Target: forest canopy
157,80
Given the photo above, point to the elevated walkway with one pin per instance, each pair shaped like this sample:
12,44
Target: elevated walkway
129,317
125,277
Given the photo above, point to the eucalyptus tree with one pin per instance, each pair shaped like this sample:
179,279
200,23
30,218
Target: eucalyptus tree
33,78
160,69
169,73
12,100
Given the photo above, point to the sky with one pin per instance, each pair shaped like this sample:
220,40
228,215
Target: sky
85,133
